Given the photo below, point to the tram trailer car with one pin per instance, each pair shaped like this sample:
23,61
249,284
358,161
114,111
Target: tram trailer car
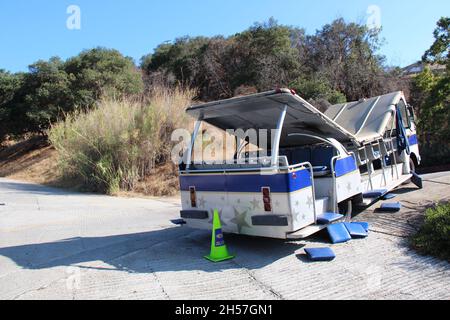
315,168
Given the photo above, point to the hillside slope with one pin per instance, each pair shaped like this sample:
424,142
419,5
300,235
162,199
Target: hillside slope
35,160
32,160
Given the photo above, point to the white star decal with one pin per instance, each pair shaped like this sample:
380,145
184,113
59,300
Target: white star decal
349,186
220,217
201,202
239,220
309,202
255,204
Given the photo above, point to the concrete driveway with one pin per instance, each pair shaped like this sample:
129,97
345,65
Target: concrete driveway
56,244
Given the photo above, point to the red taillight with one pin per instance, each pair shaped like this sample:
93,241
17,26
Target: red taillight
193,197
293,92
267,199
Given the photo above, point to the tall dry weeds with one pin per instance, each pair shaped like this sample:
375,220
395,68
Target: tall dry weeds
120,141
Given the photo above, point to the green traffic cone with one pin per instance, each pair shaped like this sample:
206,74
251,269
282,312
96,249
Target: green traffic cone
219,250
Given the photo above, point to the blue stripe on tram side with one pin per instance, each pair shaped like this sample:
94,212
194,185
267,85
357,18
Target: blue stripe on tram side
280,183
413,140
203,182
344,166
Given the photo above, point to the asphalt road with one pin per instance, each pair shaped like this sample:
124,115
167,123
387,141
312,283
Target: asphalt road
56,244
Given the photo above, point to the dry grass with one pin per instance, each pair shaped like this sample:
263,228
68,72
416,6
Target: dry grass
32,160
120,144
163,181
38,163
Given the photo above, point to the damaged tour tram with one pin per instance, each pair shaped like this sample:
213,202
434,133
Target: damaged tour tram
313,169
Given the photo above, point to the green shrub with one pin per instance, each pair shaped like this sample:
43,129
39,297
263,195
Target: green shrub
434,154
120,141
31,101
434,235
317,89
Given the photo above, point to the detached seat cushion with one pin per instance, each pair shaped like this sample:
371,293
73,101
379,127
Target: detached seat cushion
376,193
338,233
355,230
178,221
328,217
365,225
390,207
388,196
320,254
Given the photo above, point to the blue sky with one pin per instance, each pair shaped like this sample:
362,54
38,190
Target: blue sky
32,29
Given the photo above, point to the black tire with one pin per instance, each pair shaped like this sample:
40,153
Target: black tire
346,208
412,165
412,168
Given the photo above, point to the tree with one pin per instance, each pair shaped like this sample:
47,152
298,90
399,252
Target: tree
214,74
179,62
261,56
316,90
35,97
44,95
340,58
439,52
431,94
267,58
345,55
100,71
9,85
31,101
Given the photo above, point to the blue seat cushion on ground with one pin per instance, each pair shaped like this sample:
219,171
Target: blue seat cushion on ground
328,217
365,225
338,233
388,196
178,221
320,254
356,230
376,193
390,207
